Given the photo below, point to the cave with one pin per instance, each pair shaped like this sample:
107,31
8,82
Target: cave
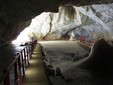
73,38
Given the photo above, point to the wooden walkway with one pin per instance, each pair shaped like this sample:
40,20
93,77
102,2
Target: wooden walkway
35,73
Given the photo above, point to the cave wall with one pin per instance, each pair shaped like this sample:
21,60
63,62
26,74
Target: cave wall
91,21
15,13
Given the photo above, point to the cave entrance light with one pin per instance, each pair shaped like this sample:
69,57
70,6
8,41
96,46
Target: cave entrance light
23,37
37,29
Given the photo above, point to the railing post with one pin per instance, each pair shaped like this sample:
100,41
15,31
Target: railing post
15,73
19,71
6,80
23,70
27,55
30,51
19,63
24,57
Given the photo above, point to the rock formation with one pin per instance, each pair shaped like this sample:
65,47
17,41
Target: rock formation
100,59
91,22
16,15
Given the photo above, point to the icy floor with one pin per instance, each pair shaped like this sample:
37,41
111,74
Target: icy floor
63,55
62,59
62,46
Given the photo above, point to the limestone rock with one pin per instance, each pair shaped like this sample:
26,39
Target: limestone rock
15,12
92,22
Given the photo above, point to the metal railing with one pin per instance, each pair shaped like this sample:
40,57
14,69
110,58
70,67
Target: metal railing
85,46
15,72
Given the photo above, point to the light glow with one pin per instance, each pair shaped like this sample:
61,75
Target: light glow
23,37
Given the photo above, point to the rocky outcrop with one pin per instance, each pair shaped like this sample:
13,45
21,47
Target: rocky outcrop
91,22
100,59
